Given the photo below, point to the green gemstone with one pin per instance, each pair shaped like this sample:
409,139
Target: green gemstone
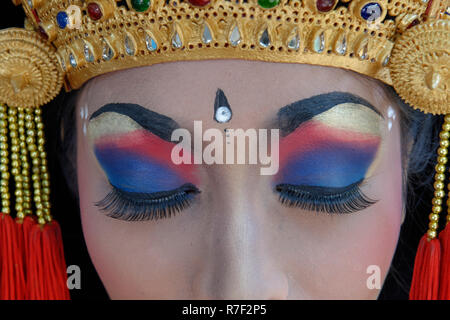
140,5
267,4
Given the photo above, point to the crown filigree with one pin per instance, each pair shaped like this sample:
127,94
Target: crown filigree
358,35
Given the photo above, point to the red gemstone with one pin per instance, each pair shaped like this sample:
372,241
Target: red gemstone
199,3
94,10
36,17
427,10
43,33
325,5
412,24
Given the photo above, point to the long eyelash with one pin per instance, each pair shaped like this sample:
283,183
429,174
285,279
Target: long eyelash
321,199
134,206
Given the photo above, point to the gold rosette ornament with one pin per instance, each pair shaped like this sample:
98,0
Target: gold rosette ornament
420,66
30,75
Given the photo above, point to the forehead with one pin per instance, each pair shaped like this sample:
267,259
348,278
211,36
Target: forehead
255,90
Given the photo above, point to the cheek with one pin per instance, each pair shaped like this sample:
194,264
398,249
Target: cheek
369,239
331,257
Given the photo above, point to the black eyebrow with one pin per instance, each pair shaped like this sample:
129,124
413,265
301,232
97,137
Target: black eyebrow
158,124
293,115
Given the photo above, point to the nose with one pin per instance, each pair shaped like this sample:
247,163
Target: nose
239,262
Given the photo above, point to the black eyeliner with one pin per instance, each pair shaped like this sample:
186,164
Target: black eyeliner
158,124
290,117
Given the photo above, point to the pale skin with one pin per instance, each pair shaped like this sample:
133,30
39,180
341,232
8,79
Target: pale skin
237,241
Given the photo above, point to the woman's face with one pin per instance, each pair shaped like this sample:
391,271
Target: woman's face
322,223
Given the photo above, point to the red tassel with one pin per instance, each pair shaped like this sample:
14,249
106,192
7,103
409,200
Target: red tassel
12,280
425,282
24,232
444,283
47,277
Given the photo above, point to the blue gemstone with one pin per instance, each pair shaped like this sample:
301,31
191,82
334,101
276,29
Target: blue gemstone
62,19
371,11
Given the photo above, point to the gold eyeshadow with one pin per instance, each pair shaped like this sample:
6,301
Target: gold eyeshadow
110,123
352,117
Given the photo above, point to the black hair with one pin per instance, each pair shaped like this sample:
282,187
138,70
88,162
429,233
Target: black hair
419,134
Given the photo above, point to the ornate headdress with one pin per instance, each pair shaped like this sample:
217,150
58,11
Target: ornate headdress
403,43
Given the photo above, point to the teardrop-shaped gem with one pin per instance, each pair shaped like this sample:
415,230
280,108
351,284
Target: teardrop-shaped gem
385,61
206,35
235,36
72,60
63,63
341,46
150,42
319,43
108,52
129,46
294,43
363,52
264,40
88,55
176,40
432,79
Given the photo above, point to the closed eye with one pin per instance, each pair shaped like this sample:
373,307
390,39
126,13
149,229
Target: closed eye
136,206
347,199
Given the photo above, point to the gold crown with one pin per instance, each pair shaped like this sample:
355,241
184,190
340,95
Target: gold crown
404,43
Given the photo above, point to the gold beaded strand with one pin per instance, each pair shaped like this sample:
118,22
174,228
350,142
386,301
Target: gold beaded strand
439,179
446,122
45,180
15,161
24,162
4,180
35,159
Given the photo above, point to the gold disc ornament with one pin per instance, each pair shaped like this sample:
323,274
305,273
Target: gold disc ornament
30,75
420,65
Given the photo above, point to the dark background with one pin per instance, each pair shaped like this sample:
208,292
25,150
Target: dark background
65,210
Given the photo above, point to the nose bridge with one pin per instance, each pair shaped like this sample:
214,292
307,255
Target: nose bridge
238,266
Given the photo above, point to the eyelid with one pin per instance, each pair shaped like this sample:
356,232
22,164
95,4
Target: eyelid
158,124
293,115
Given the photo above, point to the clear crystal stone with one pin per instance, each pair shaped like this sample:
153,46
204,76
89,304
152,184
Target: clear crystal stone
341,48
206,36
363,52
63,64
264,41
294,43
129,46
108,52
88,55
176,41
319,43
385,61
150,42
30,3
223,114
72,60
235,36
